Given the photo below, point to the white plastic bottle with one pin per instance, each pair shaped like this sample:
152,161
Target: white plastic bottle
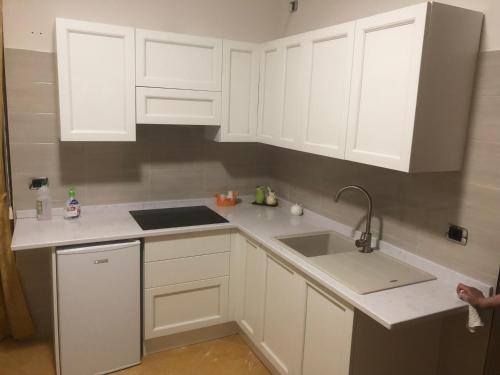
43,203
72,209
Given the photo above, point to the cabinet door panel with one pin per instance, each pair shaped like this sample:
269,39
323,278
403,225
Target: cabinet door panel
283,317
240,83
329,67
253,291
178,61
183,307
328,335
293,92
387,57
177,107
96,81
271,93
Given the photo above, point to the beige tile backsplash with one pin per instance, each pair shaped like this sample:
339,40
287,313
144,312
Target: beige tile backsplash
170,162
166,161
413,211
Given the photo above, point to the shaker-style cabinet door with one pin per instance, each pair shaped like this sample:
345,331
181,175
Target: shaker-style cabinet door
240,92
252,309
270,92
385,80
96,78
328,334
293,92
178,61
329,54
284,315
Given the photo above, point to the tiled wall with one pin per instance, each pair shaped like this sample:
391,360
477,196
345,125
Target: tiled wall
166,162
177,162
414,210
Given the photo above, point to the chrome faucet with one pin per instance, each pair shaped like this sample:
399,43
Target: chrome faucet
365,241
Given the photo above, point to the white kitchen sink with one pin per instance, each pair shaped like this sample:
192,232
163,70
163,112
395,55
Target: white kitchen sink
362,272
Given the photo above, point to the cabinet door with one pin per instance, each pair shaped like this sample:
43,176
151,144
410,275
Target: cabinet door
385,78
270,92
284,314
183,307
293,96
328,69
240,91
252,313
177,107
178,61
328,335
95,66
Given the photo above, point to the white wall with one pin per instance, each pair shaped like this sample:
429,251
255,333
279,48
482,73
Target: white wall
313,14
28,24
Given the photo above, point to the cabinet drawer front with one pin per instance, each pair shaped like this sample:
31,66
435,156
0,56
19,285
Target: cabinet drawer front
177,107
175,271
184,307
179,61
185,245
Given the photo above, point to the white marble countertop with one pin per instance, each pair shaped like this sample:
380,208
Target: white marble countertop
391,308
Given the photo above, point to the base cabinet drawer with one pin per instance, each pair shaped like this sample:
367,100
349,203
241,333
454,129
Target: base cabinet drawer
183,307
176,271
186,245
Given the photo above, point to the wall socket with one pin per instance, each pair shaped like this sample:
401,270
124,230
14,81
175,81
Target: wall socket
37,182
457,234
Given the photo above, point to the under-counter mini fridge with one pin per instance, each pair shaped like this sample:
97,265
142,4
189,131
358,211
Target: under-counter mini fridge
98,307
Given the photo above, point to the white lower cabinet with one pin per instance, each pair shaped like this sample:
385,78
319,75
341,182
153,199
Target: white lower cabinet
186,281
298,328
328,335
283,329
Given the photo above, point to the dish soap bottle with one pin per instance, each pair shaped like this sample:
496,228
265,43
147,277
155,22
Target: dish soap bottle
72,209
43,203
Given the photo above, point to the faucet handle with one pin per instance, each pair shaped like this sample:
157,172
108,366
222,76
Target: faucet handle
364,243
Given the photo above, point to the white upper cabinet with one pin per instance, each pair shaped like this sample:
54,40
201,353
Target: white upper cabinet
282,81
96,70
293,100
178,61
411,86
270,92
328,66
240,92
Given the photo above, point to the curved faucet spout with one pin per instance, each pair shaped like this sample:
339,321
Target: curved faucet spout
366,237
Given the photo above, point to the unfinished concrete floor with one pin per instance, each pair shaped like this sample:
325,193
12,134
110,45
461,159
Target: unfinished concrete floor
226,356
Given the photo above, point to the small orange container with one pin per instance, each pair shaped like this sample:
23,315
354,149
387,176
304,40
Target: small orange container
225,201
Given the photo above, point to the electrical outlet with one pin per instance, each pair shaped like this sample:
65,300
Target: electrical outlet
37,182
457,234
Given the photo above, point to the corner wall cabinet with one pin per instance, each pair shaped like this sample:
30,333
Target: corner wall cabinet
96,78
392,90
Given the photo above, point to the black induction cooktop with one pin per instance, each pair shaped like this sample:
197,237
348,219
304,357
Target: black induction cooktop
176,217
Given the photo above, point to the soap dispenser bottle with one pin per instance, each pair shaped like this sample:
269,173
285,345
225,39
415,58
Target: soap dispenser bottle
72,209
